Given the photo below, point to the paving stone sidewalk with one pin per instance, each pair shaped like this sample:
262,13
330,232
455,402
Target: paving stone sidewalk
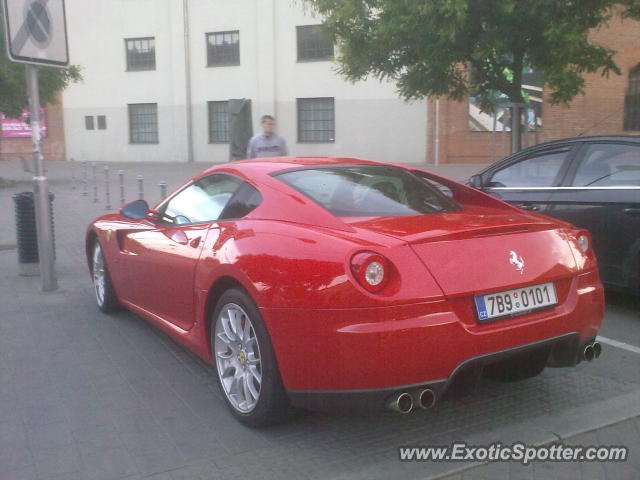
90,396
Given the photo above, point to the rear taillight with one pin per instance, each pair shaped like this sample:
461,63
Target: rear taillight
583,243
371,270
583,240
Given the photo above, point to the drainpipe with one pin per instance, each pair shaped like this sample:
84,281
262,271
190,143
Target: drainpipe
187,80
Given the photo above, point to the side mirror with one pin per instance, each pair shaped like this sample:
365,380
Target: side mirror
136,210
475,181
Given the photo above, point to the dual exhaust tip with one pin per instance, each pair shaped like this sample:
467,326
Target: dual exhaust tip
404,402
591,351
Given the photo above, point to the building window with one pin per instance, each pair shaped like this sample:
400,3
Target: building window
219,122
313,43
316,120
223,49
143,123
102,122
632,101
88,122
141,53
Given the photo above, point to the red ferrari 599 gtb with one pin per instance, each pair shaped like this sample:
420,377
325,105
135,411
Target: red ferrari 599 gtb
328,283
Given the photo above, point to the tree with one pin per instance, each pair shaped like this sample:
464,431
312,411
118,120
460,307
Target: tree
13,93
463,48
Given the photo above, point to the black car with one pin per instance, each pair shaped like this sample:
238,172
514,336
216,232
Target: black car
591,182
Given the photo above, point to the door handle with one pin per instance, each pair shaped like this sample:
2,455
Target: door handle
195,242
632,211
533,208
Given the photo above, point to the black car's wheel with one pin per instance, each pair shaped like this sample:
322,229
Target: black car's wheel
102,286
247,370
519,368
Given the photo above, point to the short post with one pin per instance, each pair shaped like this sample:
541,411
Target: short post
121,178
73,173
163,189
85,180
94,170
140,179
107,193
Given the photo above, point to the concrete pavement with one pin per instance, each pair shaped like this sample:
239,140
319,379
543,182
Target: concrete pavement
90,396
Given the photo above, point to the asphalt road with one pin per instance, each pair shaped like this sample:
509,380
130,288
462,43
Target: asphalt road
89,396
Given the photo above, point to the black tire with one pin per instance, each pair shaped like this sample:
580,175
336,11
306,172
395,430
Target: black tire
519,368
272,405
108,301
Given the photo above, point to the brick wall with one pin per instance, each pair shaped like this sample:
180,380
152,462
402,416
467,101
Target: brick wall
53,147
600,110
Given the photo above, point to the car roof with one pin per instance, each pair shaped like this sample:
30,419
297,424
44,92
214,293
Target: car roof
275,164
594,138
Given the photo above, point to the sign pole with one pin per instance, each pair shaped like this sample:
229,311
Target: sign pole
44,227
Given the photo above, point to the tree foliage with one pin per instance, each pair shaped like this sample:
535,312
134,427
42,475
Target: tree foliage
13,88
462,48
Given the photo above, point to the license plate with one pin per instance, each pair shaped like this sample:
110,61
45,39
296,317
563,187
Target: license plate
515,302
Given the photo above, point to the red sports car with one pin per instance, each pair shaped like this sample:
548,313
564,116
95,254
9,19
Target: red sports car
328,283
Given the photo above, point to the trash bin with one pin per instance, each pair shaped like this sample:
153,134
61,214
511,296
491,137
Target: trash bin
27,238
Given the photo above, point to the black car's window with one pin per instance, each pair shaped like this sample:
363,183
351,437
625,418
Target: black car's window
537,171
609,165
368,191
202,201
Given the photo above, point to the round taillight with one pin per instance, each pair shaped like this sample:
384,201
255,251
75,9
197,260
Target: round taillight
374,274
371,270
583,243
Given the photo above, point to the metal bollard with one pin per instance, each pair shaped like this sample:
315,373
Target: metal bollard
73,173
121,177
107,192
140,179
94,169
163,189
84,179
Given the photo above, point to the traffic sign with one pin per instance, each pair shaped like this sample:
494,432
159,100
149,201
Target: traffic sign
36,32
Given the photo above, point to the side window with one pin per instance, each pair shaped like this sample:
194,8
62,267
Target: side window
538,171
202,201
246,199
609,165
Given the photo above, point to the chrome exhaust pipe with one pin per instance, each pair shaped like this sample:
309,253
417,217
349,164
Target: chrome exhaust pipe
426,398
597,349
588,353
401,403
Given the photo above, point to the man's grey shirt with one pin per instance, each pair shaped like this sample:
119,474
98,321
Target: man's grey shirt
262,145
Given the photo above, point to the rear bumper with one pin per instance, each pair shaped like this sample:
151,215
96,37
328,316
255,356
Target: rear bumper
373,352
565,350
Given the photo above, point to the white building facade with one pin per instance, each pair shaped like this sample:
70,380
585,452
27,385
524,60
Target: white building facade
158,75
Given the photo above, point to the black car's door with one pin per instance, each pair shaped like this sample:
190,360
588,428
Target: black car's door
527,180
601,193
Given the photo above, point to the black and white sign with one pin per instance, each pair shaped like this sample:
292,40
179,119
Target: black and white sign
36,32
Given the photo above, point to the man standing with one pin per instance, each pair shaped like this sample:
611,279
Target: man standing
268,143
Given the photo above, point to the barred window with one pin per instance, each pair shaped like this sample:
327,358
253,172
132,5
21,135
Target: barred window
141,53
143,123
88,122
313,43
219,122
223,48
316,119
632,101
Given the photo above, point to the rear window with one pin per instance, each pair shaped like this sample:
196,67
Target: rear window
368,191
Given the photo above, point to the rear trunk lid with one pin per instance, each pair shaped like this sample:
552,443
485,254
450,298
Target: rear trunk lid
481,250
